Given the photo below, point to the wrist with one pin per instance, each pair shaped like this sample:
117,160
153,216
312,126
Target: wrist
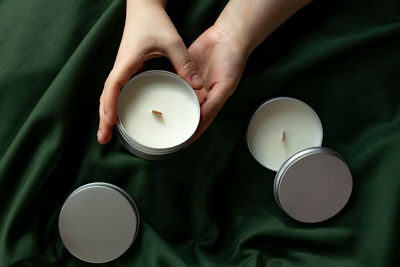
233,22
252,21
233,39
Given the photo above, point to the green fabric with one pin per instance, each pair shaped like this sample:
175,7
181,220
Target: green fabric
211,204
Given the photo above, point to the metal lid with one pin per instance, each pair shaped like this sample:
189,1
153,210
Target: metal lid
313,185
98,222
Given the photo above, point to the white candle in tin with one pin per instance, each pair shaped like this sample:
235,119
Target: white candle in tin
280,128
158,110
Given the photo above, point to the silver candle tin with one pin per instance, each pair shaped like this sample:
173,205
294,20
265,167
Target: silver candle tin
313,184
98,222
152,153
319,143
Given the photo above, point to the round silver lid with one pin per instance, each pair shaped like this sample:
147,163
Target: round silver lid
98,222
313,185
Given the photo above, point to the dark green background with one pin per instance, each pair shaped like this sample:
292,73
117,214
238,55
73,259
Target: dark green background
211,204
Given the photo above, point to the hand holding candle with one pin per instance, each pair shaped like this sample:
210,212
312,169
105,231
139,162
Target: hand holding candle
148,33
221,51
221,61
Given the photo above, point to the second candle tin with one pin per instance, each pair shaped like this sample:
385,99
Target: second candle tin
312,183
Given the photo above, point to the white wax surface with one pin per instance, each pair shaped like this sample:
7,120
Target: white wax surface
299,122
164,92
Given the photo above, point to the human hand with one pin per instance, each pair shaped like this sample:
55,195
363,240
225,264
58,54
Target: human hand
148,33
220,59
222,51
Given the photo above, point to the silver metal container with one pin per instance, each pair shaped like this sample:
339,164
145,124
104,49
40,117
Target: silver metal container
147,152
98,222
313,185
273,101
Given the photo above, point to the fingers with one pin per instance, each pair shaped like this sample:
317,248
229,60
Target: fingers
104,133
201,94
118,77
108,111
179,57
211,105
174,49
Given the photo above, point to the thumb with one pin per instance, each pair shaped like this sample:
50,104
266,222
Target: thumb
184,66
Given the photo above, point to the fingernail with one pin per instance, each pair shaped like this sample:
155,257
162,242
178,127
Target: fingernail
99,134
197,80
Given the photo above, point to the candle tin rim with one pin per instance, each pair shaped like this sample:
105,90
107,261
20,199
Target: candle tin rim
155,151
108,186
267,102
297,157
145,149
144,155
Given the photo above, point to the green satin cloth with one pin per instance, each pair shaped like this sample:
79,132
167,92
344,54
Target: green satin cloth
211,204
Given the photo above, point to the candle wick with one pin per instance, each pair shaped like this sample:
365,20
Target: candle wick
156,112
283,135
